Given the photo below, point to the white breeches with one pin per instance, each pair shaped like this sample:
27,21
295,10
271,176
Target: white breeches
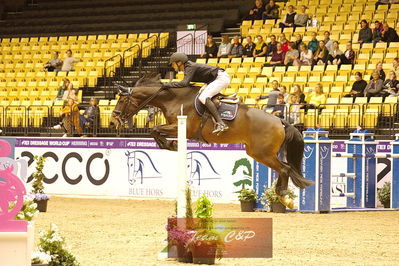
222,81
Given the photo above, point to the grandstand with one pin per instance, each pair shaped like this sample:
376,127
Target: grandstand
116,41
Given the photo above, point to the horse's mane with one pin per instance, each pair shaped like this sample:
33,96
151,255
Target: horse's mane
148,79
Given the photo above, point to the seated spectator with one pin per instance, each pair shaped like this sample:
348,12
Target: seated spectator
301,19
292,56
321,55
283,91
260,48
377,31
66,85
327,41
298,92
306,56
365,33
358,86
277,57
236,48
211,49
313,22
395,66
284,42
335,54
54,64
256,12
289,18
249,48
317,97
391,86
314,43
388,34
380,71
70,118
298,41
271,11
272,97
293,108
271,46
91,116
374,87
69,92
224,47
279,108
347,58
69,61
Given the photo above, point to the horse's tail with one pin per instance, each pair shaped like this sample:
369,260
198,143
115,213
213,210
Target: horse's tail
293,148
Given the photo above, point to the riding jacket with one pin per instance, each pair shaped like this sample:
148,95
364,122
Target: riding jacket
195,72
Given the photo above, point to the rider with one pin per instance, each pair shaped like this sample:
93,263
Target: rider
216,78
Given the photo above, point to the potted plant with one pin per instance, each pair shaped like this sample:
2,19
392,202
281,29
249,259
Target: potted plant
28,211
207,243
247,198
384,194
40,258
37,187
273,201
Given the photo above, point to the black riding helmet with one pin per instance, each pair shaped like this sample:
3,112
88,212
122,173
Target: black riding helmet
176,57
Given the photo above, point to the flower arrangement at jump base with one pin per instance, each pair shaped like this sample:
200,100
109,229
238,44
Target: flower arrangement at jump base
37,187
40,258
28,211
271,199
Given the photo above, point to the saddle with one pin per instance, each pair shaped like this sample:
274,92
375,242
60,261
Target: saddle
227,105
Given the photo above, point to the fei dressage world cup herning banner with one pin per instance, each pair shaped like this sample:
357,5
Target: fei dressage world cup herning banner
135,167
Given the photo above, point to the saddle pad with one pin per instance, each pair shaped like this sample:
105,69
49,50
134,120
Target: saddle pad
227,111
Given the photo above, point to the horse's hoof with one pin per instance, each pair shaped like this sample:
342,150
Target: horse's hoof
173,145
287,202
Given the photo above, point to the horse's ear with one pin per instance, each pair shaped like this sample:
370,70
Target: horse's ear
123,91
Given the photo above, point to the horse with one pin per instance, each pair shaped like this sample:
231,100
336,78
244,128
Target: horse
263,134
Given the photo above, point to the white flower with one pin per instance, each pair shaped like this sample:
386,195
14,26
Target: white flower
34,205
54,228
20,216
42,256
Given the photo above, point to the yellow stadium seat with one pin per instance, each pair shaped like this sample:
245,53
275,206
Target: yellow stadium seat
326,117
370,118
341,118
224,62
354,118
259,61
247,62
310,118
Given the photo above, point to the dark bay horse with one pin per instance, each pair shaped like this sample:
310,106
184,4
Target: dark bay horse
263,134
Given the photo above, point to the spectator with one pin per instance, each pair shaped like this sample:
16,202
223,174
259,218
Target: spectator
306,57
316,98
66,85
388,34
284,42
283,91
314,43
256,12
292,56
314,22
335,54
70,117
289,18
385,2
272,45
380,71
277,57
298,92
321,54
236,49
298,41
365,33
347,58
395,65
374,87
224,47
249,48
54,64
358,86
293,108
377,31
327,41
279,108
69,61
301,20
211,49
260,48
91,116
272,96
271,11
391,85
69,92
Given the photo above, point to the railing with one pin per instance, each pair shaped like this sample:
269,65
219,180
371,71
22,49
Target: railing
129,55
146,49
183,47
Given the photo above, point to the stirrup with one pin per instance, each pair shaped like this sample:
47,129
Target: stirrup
220,127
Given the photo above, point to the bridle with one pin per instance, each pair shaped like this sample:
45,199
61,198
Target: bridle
120,115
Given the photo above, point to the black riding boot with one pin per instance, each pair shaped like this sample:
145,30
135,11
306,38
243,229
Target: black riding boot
220,125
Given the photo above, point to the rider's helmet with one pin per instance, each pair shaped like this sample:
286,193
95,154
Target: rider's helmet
176,57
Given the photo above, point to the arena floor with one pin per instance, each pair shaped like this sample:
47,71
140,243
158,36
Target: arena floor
131,232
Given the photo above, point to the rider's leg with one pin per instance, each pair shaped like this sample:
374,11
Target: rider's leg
221,82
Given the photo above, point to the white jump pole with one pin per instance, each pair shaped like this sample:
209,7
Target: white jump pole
182,163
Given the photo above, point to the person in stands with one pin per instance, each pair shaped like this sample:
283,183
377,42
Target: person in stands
211,49
301,19
374,87
224,47
335,54
314,43
53,65
391,85
321,55
272,45
388,34
292,56
377,32
306,56
284,42
256,12
91,115
271,11
249,48
381,72
279,108
272,97
277,57
316,98
260,48
347,58
327,41
289,18
365,33
70,118
395,66
237,49
69,61
298,40
358,86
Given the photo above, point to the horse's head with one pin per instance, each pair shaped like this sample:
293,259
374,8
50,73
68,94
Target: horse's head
130,98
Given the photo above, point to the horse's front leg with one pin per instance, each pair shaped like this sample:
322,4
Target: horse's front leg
169,131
